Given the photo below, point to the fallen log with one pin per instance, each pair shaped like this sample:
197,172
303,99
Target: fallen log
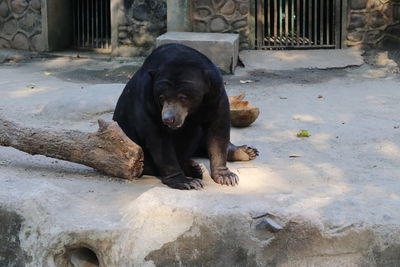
108,150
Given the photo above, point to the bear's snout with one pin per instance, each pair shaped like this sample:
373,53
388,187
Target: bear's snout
168,119
173,115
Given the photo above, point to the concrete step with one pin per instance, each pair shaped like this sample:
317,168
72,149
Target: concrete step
221,48
274,60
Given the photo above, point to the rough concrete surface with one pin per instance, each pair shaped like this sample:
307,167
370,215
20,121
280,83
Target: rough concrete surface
303,59
336,203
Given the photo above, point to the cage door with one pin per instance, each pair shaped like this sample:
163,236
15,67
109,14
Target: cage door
296,24
91,24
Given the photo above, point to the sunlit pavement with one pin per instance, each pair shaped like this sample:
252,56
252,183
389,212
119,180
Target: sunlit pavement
342,180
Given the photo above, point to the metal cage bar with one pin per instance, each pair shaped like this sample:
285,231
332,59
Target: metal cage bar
91,24
287,24
267,9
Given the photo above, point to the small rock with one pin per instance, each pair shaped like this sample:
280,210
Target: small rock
200,26
35,4
355,36
28,22
140,13
19,6
261,215
239,24
372,36
4,10
246,81
357,21
244,9
218,24
228,8
10,27
38,43
4,44
122,35
4,162
20,42
377,19
270,225
202,12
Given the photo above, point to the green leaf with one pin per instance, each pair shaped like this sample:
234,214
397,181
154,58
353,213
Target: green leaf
31,85
303,133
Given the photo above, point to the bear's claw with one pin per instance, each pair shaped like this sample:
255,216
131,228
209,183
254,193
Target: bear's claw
241,153
192,169
224,176
181,182
251,151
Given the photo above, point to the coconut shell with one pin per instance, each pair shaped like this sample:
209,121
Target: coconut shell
243,113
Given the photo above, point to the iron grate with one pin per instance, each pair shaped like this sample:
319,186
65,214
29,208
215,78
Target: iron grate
91,24
295,24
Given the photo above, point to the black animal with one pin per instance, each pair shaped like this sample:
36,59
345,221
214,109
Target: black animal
175,107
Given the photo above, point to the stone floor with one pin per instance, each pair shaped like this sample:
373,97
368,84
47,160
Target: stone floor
328,200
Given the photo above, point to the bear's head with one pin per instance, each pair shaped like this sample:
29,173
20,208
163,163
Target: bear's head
179,92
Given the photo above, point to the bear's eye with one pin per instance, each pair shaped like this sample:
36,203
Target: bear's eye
162,98
183,98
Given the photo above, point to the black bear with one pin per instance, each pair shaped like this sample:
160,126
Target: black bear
175,107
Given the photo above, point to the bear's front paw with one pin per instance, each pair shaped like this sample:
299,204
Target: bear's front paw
242,153
251,151
192,169
224,176
183,183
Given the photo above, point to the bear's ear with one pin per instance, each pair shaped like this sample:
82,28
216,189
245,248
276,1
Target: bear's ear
213,79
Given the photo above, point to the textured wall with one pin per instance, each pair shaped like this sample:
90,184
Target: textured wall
21,24
373,23
142,22
222,16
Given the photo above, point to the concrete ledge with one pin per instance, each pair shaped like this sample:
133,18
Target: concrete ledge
300,59
221,48
336,204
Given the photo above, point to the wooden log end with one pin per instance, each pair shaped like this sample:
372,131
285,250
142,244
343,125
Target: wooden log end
103,125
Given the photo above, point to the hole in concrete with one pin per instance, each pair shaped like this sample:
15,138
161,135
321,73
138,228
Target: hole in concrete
83,257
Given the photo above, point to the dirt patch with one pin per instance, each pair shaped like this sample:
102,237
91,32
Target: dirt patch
208,247
94,76
75,67
298,76
388,59
379,64
20,56
389,257
11,253
303,76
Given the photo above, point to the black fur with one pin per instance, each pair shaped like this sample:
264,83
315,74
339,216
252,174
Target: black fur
178,83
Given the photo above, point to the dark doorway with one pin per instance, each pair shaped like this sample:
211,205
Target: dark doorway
91,25
297,24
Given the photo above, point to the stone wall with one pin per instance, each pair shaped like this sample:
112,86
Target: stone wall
21,24
230,16
138,25
373,23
